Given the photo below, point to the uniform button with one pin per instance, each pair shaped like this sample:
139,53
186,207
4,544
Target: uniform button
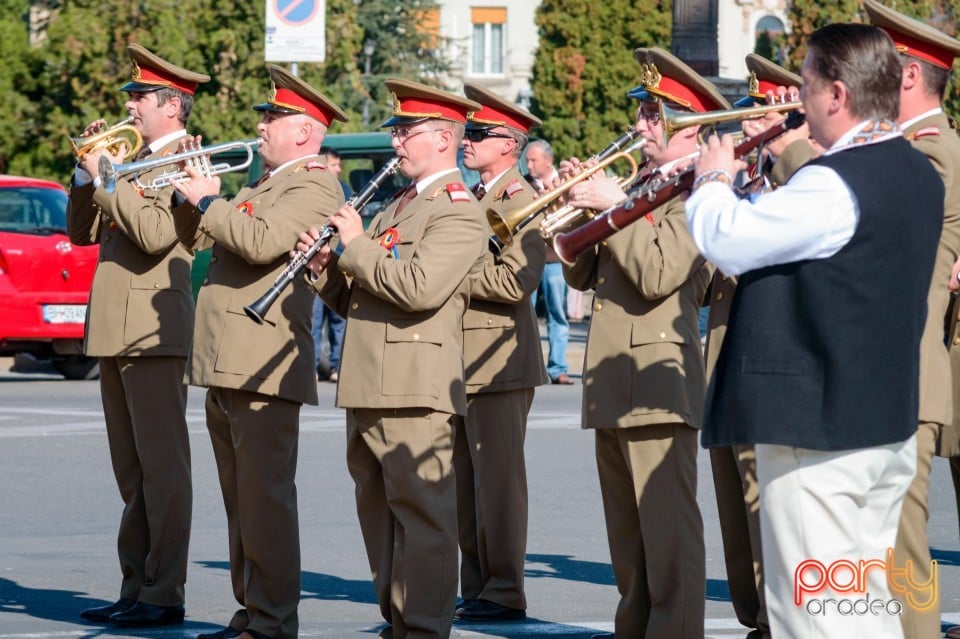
155,285
416,336
354,306
489,321
213,259
597,307
601,280
663,335
720,295
206,281
956,340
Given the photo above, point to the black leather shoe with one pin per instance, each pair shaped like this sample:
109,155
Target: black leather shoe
102,614
223,633
483,610
144,615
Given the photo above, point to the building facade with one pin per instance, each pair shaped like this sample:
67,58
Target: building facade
493,42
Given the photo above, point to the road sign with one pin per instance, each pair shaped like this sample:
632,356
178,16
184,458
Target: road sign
296,30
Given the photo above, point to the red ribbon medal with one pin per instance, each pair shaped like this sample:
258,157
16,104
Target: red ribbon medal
246,208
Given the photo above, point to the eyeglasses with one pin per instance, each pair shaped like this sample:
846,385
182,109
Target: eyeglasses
650,116
479,135
404,133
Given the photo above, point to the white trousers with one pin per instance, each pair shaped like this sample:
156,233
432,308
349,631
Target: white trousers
831,507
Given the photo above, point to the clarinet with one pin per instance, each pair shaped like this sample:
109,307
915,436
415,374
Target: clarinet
258,310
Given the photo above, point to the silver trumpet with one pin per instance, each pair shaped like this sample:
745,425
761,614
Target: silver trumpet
198,157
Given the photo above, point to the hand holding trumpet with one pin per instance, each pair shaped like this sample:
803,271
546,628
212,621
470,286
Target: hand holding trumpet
196,182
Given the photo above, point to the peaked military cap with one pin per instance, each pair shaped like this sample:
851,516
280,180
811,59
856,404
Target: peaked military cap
495,111
152,73
765,76
290,94
912,37
414,102
664,78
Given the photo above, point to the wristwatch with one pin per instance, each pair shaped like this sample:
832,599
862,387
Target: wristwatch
204,203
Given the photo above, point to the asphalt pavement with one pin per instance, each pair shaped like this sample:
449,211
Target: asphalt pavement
59,510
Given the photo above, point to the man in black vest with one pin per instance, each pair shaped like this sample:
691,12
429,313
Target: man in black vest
829,267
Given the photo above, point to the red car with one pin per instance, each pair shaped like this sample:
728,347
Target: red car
44,279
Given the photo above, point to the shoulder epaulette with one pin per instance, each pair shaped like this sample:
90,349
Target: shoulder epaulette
457,192
926,132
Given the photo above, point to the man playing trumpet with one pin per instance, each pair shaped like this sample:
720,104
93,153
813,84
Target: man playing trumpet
258,375
139,322
644,377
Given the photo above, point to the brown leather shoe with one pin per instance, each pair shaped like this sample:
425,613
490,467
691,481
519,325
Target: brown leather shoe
563,379
953,632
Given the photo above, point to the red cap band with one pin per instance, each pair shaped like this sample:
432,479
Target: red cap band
147,75
673,91
418,107
937,56
290,99
489,115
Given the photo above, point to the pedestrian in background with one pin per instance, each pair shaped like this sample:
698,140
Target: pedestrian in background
543,174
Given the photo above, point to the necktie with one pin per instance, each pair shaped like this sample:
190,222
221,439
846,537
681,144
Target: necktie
405,199
142,154
480,191
263,178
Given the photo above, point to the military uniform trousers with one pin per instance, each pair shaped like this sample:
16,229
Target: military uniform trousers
492,496
912,543
255,439
400,461
648,481
144,407
738,504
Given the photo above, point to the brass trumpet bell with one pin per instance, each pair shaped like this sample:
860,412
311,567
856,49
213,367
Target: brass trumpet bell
674,120
121,137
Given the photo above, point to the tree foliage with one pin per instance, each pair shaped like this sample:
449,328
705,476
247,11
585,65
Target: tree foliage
57,86
584,67
806,16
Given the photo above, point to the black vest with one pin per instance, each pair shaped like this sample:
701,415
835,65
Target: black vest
824,354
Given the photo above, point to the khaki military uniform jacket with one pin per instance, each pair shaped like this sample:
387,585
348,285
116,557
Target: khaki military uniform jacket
141,301
643,360
501,338
403,344
938,394
252,237
942,147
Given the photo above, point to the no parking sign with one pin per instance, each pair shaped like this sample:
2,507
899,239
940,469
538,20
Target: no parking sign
296,30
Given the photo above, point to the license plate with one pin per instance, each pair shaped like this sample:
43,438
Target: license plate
64,313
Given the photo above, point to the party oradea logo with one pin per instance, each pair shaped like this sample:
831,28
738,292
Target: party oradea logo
840,587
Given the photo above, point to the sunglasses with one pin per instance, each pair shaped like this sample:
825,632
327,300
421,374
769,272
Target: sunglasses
479,135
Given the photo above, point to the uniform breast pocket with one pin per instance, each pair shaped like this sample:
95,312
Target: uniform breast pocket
251,349
659,381
157,317
412,361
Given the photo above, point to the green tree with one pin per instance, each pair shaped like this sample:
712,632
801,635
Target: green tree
71,77
584,67
806,16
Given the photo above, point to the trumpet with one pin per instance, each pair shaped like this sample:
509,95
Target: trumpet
674,120
258,309
122,136
649,197
565,216
198,158
506,226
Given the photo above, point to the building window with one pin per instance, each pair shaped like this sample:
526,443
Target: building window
489,24
769,42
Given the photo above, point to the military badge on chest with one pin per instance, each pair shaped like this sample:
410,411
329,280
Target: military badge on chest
389,241
246,208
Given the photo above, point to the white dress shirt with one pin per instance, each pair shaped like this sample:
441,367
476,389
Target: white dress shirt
813,216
